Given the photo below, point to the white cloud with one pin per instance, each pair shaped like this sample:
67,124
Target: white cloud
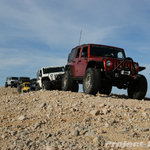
30,60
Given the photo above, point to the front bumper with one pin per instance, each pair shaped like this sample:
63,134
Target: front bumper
26,91
122,76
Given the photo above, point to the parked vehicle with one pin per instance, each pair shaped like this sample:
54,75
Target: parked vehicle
24,87
99,67
49,78
11,81
21,80
32,84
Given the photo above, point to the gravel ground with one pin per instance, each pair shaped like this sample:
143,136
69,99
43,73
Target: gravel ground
58,120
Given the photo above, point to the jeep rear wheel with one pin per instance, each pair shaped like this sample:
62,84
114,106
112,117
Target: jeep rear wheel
138,89
46,85
105,89
67,81
91,81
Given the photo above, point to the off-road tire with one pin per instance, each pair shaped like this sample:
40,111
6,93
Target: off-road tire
91,81
37,87
67,81
138,89
46,85
105,89
11,86
6,85
75,87
19,89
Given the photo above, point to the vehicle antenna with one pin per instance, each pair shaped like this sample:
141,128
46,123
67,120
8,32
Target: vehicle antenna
80,36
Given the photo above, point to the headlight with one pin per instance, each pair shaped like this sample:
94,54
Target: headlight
108,63
135,65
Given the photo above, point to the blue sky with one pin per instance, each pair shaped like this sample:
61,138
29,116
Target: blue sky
38,33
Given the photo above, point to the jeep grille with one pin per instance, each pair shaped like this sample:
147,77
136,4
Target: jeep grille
115,64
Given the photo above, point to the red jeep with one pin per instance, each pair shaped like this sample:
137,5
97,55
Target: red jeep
99,67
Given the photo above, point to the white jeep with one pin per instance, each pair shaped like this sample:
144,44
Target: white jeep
49,78
11,81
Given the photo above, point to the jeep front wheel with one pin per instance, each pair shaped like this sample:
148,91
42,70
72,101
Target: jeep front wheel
67,81
138,89
91,81
46,85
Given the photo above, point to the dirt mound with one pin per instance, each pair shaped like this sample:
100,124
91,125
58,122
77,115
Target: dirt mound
44,120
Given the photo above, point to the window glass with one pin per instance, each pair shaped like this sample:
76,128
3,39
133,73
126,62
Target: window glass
105,51
51,70
72,55
120,55
14,78
84,52
78,53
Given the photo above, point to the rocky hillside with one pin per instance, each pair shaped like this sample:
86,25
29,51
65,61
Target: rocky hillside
51,120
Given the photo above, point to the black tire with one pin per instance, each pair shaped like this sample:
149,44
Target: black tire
6,85
91,81
138,89
37,87
11,86
19,89
46,85
105,89
67,82
75,87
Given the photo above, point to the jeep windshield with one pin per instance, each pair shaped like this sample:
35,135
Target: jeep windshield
52,70
27,85
104,51
14,78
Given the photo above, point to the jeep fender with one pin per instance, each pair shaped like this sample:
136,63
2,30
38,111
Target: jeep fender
95,64
70,68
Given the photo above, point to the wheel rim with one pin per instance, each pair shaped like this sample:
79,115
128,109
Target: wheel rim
87,81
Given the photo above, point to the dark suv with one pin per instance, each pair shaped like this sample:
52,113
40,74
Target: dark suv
99,67
32,84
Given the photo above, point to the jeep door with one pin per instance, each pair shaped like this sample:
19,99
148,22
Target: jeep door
81,61
76,62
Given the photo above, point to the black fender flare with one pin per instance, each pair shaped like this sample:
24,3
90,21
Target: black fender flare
70,68
97,64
